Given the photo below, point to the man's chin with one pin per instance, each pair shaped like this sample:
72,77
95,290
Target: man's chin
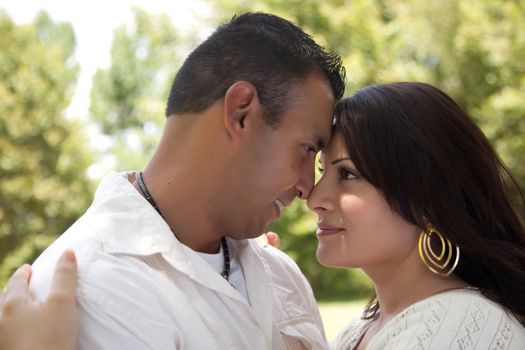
254,230
251,234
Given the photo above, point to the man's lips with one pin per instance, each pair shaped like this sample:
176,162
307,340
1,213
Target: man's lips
278,207
326,229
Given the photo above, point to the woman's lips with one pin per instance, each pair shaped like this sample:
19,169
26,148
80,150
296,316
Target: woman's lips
327,230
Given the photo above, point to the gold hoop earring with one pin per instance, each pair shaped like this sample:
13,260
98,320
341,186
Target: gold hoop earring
443,263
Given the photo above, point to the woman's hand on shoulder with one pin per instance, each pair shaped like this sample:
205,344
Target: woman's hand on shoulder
27,324
269,238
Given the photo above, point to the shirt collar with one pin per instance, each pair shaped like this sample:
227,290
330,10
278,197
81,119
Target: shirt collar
127,224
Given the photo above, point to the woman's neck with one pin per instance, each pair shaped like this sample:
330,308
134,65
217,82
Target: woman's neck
399,286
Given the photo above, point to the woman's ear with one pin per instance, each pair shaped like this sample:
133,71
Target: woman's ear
240,102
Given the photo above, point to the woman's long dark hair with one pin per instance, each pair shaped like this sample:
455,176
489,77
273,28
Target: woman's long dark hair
431,162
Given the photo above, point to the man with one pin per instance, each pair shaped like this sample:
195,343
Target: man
165,257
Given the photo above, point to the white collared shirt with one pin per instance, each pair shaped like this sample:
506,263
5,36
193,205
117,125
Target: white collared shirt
140,288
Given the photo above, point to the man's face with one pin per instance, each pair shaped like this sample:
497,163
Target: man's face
277,164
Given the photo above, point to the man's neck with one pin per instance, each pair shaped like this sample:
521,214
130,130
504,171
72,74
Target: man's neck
188,238
178,176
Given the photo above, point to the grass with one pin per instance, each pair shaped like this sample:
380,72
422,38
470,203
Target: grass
336,314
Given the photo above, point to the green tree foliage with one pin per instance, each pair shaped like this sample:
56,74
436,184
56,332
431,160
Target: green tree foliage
128,99
43,156
474,50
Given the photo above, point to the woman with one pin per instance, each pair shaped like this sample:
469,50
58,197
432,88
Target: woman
413,193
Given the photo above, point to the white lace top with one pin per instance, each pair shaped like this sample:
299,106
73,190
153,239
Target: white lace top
455,320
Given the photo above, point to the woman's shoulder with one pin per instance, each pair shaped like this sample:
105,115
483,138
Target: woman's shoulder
458,319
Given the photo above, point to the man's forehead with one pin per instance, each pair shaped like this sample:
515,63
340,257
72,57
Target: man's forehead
310,108
314,120
315,86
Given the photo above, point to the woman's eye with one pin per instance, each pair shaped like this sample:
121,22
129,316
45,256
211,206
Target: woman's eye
347,174
321,170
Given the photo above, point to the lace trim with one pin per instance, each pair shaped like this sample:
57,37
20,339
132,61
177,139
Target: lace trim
505,333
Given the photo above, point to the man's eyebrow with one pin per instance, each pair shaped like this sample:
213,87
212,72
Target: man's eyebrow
319,142
340,160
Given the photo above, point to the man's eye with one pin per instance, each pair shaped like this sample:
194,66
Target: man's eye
310,149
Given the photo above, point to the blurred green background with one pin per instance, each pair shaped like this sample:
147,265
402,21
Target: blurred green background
472,49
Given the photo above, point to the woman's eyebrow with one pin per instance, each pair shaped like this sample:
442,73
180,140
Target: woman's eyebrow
340,160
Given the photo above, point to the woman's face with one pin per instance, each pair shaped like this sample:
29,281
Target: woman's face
357,228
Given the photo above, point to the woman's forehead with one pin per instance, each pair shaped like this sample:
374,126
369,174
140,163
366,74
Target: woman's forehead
335,149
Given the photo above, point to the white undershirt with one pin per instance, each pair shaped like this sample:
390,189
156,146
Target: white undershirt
236,278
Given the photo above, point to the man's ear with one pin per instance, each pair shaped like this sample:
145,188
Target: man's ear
240,101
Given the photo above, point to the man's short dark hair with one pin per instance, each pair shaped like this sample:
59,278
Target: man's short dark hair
271,53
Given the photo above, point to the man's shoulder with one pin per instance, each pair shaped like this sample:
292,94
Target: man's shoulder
276,259
123,304
126,284
79,237
107,283
288,281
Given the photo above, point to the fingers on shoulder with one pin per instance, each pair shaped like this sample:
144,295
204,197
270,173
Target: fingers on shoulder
63,286
16,290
